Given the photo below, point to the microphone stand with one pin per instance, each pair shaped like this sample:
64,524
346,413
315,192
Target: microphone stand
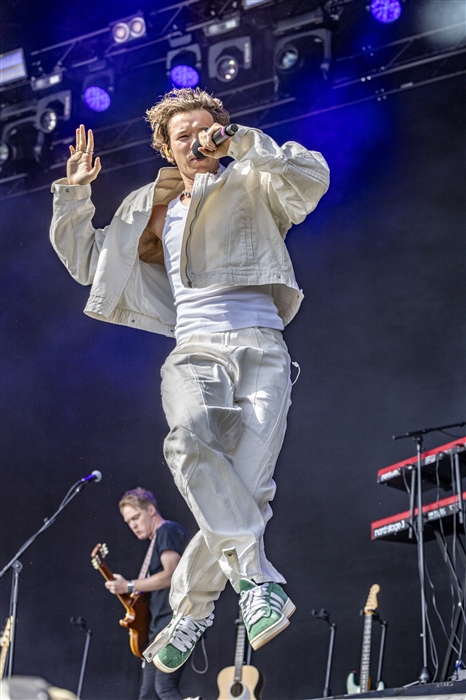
16,565
417,435
323,615
81,622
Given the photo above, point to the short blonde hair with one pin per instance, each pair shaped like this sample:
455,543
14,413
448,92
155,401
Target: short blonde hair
181,100
138,498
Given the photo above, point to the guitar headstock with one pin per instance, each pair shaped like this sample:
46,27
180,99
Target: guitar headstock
98,555
371,604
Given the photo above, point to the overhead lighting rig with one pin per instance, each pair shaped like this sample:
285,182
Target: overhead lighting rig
26,124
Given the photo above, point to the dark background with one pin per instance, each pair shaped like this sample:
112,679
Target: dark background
381,344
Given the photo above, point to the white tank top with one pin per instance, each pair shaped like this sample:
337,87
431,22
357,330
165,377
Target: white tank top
214,308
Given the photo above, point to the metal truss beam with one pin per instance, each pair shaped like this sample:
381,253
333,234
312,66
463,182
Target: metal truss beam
12,186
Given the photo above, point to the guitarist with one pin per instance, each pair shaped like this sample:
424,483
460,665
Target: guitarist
167,541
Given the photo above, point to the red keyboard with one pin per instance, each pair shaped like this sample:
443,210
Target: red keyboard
438,514
436,467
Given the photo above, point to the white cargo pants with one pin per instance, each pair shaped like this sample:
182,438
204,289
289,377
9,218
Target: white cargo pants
226,397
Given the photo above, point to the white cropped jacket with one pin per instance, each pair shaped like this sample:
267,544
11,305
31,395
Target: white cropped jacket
234,233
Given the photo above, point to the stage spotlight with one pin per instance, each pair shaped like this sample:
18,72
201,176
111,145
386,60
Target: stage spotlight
385,10
48,121
183,66
52,109
287,58
23,138
98,89
302,63
21,142
128,29
4,153
227,58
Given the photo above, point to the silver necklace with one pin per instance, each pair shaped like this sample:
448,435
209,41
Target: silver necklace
185,193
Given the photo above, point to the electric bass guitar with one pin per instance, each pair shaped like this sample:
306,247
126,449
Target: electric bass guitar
240,682
137,618
364,679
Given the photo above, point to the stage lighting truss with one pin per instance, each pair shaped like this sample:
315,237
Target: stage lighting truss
228,57
22,138
184,63
128,29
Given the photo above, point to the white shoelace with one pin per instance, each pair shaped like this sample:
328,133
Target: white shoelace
254,603
188,632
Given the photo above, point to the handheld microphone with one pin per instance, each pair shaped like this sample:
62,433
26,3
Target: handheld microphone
219,137
95,476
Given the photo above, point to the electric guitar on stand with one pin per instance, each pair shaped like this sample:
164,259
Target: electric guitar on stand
137,618
364,679
240,682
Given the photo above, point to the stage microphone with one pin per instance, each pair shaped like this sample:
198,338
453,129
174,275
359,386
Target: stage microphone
95,476
219,137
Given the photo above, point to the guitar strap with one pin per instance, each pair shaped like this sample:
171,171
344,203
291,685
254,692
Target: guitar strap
147,558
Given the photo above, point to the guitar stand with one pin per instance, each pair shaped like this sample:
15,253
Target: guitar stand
16,565
383,635
325,617
81,622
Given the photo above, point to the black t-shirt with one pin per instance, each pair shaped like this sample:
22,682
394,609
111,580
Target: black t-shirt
172,536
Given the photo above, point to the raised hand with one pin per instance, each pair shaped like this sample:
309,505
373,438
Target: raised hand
79,168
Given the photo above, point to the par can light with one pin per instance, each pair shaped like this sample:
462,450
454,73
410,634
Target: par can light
184,76
96,98
385,11
137,27
128,29
120,33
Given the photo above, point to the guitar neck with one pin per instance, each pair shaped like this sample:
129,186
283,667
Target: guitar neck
239,651
366,653
124,598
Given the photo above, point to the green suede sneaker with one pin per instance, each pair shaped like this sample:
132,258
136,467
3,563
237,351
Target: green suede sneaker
186,633
266,609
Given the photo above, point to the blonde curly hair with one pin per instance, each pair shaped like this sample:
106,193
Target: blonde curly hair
181,100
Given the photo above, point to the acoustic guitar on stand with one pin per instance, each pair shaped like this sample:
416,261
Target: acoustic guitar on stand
240,682
5,644
364,678
137,618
